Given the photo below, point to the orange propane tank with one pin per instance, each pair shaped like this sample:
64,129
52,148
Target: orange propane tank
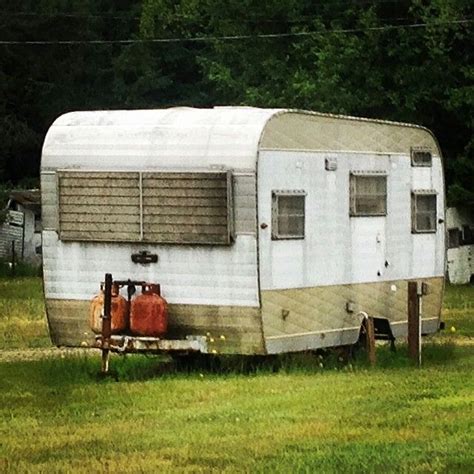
148,313
119,312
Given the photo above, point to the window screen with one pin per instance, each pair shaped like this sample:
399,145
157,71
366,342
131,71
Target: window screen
368,195
174,208
423,211
187,207
420,157
288,214
99,206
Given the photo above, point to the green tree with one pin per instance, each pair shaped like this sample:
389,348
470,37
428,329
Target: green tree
409,60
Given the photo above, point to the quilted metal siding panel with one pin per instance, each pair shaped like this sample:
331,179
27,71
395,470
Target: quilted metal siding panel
323,309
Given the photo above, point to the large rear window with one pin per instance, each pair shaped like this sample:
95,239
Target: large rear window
160,207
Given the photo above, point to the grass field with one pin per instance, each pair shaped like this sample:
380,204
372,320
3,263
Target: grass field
56,415
22,316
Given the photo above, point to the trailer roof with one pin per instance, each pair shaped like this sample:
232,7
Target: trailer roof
191,138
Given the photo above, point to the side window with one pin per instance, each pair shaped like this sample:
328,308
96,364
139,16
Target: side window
467,235
368,194
421,157
453,238
423,211
288,214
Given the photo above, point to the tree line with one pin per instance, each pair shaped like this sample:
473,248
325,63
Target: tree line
403,60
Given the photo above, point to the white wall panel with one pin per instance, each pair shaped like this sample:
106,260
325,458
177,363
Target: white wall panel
423,261
188,274
339,249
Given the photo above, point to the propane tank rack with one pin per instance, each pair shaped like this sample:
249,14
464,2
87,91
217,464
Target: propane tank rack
122,343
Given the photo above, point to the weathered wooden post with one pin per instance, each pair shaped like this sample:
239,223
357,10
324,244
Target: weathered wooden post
106,323
414,321
370,340
369,332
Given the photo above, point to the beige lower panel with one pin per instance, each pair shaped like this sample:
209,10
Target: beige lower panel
322,132
230,329
322,310
69,322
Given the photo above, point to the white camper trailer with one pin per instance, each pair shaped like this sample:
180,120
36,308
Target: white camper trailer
460,225
273,229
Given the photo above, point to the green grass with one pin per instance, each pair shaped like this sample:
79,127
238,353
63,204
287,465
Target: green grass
22,314
22,269
57,415
458,309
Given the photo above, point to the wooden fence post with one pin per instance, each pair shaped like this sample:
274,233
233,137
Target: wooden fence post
370,339
414,322
106,323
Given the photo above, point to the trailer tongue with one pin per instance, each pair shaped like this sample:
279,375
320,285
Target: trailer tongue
143,322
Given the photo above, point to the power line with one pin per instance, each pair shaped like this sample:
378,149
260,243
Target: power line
203,39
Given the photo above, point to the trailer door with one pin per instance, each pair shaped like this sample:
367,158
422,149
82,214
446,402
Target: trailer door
284,194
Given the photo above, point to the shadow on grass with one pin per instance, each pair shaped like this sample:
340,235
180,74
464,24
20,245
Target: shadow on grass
130,368
72,370
433,354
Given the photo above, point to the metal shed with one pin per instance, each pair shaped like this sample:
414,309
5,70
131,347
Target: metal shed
273,228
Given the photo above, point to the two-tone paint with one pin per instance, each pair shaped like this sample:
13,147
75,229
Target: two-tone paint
256,295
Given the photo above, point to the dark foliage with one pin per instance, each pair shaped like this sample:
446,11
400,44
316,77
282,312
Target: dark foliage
406,60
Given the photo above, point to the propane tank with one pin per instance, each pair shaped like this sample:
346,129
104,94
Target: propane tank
148,313
119,311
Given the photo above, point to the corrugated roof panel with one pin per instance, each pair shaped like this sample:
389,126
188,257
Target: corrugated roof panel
184,137
156,139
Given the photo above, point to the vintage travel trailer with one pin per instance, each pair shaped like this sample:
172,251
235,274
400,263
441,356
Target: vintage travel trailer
268,230
460,255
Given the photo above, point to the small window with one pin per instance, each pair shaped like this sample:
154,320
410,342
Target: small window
423,211
420,157
288,209
38,222
453,238
467,235
368,195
